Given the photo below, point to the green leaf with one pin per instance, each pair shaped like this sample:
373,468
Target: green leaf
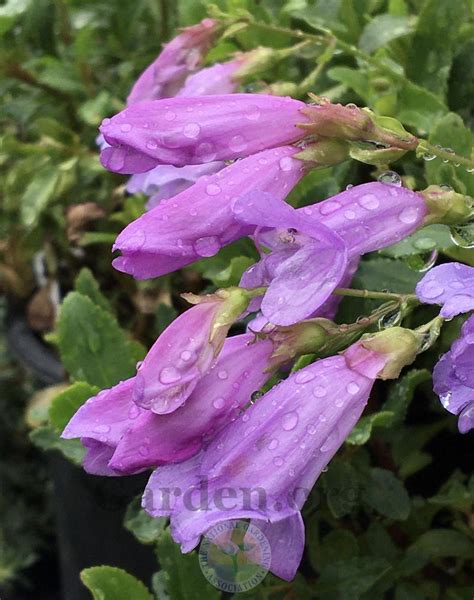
402,392
145,528
386,494
337,545
93,347
67,403
385,274
440,543
432,237
342,487
383,29
363,430
450,132
39,192
226,267
379,542
87,285
10,11
47,438
111,583
348,579
418,107
434,42
184,579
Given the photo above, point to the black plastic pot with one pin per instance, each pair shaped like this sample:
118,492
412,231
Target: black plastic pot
89,510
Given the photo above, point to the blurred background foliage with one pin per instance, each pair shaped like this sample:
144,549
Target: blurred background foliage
394,512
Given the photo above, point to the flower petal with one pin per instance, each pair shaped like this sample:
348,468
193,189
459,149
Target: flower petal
451,285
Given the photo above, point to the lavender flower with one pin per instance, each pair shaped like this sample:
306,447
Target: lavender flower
362,219
178,59
451,285
269,458
123,438
453,377
199,221
185,131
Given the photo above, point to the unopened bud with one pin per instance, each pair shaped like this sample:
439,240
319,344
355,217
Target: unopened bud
325,152
305,337
446,206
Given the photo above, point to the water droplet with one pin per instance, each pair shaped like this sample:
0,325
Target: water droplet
322,418
369,201
329,206
432,289
286,163
101,429
255,396
422,262
272,444
290,420
349,187
463,235
253,113
304,376
170,115
169,375
213,189
351,106
218,403
445,399
133,412
311,429
349,214
207,246
191,130
152,144
352,388
319,391
408,215
125,127
278,461
187,355
222,374
144,450
237,143
331,442
427,156
390,178
245,417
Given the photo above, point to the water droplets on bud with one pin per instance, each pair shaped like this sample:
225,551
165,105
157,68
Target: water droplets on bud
390,178
408,215
152,144
427,156
390,320
352,388
169,375
222,374
319,391
237,143
253,113
290,420
125,127
278,461
311,429
207,246
218,403
212,189
273,444
286,163
304,376
191,130
255,396
369,202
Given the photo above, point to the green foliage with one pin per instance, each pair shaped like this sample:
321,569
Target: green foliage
68,402
110,583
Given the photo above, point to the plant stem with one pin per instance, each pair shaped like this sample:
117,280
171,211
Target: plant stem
445,155
374,295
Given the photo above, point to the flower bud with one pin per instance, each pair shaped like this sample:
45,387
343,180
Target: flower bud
446,206
325,152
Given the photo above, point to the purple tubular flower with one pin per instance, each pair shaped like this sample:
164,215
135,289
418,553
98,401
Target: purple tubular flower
186,131
306,262
263,465
217,79
199,221
166,181
453,378
451,285
370,216
123,438
329,309
180,57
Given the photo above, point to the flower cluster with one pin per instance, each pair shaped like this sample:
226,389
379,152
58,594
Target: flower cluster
218,166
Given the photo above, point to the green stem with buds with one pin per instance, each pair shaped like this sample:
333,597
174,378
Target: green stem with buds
375,295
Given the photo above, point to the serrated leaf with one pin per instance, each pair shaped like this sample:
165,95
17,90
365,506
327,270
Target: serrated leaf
111,583
349,579
39,192
418,107
145,528
433,237
363,430
87,285
337,545
386,274
402,392
68,402
382,29
386,494
92,345
47,438
342,487
185,580
438,543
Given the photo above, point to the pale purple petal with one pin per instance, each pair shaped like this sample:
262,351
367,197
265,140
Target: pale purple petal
451,285
184,131
96,460
213,80
453,380
199,221
180,57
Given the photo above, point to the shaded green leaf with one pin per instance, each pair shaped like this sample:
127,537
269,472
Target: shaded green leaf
111,583
342,487
67,403
348,579
47,438
87,285
145,528
386,494
382,29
